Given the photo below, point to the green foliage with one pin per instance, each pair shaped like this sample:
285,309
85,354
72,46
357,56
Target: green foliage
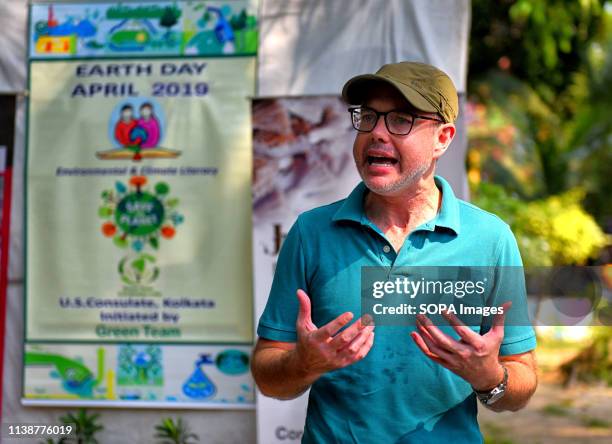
544,41
511,122
494,434
556,410
592,127
559,152
552,231
541,70
170,431
554,32
566,411
87,426
593,363
540,76
52,441
590,421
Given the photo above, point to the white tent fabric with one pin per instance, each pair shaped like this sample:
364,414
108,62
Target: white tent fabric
13,23
311,47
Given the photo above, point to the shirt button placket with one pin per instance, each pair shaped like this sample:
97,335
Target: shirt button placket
387,255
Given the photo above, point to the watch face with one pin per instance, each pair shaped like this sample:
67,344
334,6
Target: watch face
495,395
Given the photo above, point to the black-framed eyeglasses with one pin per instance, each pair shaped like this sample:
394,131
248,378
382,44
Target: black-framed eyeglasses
398,123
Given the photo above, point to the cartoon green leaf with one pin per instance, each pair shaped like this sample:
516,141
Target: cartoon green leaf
162,188
154,242
139,264
120,242
105,212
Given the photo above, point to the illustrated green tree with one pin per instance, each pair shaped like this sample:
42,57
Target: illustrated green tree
239,21
169,17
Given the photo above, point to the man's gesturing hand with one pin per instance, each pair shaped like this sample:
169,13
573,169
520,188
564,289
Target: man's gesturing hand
474,357
320,350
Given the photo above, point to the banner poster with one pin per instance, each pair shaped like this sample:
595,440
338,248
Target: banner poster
138,208
153,28
302,159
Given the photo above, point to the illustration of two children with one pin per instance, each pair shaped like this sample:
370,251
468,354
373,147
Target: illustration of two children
136,134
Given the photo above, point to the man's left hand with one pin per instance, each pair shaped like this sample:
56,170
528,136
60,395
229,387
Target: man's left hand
474,357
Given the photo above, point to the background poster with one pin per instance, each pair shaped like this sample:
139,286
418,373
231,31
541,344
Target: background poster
130,374
138,206
138,203
143,28
303,159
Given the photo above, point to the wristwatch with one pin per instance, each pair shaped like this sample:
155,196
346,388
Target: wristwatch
491,396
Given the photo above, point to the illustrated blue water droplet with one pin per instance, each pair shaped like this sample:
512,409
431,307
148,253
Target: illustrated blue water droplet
199,386
120,187
137,245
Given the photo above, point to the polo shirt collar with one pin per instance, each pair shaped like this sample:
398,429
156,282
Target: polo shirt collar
448,217
352,207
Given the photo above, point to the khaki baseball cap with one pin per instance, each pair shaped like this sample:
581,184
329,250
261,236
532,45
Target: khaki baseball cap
424,86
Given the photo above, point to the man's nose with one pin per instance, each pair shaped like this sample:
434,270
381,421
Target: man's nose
380,131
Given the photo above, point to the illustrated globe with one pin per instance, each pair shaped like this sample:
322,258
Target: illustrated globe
138,133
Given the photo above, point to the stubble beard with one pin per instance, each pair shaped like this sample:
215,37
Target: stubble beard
404,181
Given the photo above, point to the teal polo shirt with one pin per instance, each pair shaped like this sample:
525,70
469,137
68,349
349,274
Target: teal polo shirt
395,394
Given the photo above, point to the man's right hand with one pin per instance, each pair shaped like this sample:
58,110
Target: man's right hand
320,350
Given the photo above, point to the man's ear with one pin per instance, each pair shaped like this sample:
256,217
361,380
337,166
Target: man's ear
442,138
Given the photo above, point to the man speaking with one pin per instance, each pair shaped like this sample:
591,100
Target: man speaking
391,384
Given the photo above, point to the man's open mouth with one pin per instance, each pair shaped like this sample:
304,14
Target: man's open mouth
376,160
